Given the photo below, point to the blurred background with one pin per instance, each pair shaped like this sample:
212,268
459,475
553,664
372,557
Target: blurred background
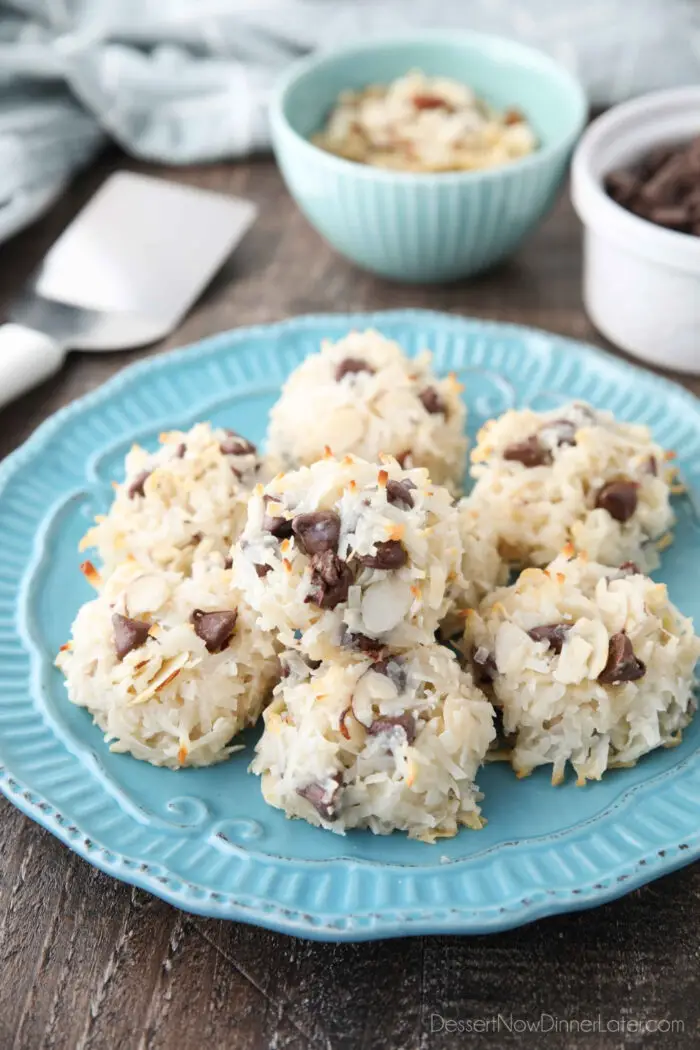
185,82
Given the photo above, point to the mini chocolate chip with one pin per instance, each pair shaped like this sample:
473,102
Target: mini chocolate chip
432,402
350,366
180,450
399,492
331,579
228,563
362,643
485,669
317,532
672,216
528,452
386,725
262,570
563,431
622,186
554,634
391,554
655,159
394,670
629,568
235,445
619,498
323,800
214,628
128,634
279,526
622,665
136,486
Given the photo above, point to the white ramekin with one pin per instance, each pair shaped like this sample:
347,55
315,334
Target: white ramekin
641,282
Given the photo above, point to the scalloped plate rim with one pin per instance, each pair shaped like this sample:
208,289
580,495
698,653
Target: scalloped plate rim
385,923
279,919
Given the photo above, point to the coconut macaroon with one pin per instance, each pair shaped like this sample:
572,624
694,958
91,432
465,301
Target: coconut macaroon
388,742
363,395
573,474
180,504
346,553
170,667
590,665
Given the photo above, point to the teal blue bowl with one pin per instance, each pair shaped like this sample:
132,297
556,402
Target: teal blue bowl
427,227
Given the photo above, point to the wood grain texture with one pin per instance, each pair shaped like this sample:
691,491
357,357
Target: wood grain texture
87,963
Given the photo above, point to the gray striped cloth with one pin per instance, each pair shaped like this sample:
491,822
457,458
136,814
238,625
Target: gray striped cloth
186,81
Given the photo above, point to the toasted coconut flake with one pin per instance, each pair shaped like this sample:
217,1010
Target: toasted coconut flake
341,722
91,574
169,670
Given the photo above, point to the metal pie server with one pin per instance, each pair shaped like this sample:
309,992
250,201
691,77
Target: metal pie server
123,274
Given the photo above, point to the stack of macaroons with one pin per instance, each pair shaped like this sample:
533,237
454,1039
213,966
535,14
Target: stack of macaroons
353,564
386,593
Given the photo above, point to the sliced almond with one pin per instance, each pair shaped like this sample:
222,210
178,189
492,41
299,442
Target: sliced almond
169,670
146,594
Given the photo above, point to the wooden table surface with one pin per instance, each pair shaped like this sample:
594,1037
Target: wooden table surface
87,962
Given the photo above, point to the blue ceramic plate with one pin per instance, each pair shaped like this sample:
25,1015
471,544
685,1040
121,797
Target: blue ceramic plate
204,839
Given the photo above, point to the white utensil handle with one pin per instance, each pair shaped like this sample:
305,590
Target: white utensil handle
26,359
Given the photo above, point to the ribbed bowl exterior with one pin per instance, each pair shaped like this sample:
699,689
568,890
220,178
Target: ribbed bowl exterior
427,229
